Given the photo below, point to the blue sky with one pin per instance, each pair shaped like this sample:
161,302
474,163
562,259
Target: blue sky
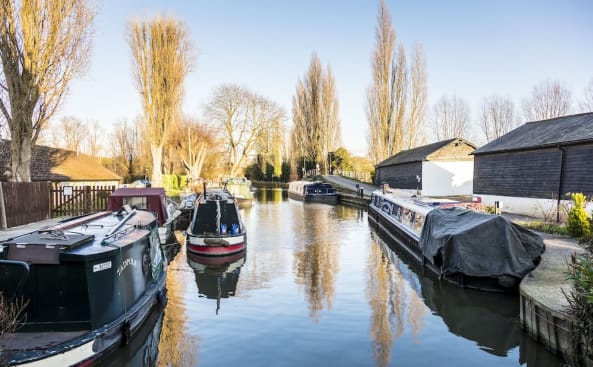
472,49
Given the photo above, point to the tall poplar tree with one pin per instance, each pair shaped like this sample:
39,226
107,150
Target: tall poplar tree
161,50
316,124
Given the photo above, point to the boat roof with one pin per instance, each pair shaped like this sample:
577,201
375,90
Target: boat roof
216,194
155,200
419,204
81,236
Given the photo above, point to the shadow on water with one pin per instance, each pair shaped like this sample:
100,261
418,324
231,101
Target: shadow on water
490,319
143,348
217,277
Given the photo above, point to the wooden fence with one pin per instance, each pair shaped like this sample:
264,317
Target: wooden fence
73,200
24,202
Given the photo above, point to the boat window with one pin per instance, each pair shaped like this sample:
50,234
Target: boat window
138,202
418,223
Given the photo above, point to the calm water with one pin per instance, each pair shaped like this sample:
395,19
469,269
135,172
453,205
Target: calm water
318,287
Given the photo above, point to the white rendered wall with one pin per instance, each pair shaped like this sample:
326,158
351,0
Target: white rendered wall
539,208
447,178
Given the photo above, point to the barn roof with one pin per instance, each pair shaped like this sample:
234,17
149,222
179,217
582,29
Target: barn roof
420,153
563,130
54,164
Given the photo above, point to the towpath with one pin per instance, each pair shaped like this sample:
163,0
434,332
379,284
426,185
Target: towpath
349,184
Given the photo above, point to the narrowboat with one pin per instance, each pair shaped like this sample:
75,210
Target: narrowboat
241,189
216,228
186,207
462,246
86,286
153,199
217,277
313,192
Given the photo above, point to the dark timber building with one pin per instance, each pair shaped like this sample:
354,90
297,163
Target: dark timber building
438,169
535,165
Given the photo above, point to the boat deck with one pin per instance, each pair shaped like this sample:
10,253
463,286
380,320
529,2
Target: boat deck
37,340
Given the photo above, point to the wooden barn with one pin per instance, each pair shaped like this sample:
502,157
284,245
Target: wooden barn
533,167
444,168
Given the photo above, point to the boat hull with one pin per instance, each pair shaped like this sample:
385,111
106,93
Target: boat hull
404,240
216,245
312,198
91,298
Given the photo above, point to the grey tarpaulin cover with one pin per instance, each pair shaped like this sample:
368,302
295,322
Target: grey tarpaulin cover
478,244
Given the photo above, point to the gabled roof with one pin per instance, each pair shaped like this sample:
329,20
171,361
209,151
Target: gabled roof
563,130
54,164
420,153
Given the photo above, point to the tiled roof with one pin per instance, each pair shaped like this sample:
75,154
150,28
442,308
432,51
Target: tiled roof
420,153
53,164
563,130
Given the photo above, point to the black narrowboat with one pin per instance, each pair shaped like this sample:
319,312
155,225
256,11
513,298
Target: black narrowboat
87,284
313,192
216,228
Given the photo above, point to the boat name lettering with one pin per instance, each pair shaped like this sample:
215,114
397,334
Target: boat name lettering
101,266
21,246
50,246
124,264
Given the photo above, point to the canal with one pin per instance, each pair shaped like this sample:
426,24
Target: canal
318,287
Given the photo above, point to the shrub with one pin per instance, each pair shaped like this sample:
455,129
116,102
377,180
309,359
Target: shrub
580,300
578,219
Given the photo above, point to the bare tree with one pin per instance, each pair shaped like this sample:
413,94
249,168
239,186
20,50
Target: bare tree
451,118
548,99
193,141
43,45
72,130
498,117
241,117
161,53
316,122
396,101
586,103
93,141
415,134
124,148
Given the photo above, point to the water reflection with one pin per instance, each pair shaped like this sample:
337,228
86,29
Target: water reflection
394,304
265,196
176,347
217,277
489,319
316,254
143,348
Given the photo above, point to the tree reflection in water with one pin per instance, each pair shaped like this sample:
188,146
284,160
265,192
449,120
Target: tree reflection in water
177,347
394,304
316,255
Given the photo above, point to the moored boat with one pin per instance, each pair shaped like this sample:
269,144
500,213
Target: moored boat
465,247
313,192
216,227
186,207
241,189
152,199
88,284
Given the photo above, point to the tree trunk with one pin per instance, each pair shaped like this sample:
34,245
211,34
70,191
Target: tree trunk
157,159
20,164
